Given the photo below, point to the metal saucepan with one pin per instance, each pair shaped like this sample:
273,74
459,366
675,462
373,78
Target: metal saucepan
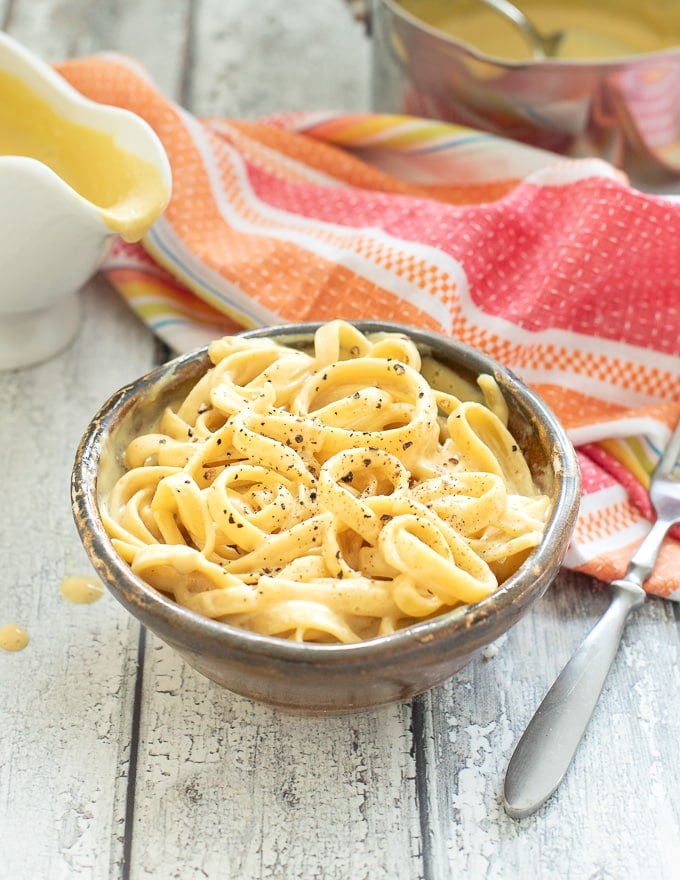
623,108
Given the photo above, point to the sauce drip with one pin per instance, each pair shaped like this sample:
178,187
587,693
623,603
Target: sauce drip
126,189
13,637
81,589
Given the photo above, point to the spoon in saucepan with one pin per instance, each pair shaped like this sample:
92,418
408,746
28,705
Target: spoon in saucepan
543,45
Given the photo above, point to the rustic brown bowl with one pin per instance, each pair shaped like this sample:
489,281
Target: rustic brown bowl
313,678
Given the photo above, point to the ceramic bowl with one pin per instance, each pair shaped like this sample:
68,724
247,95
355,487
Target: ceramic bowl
312,678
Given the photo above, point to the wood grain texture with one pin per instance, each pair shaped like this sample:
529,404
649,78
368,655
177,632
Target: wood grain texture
153,31
593,826
274,795
124,763
255,59
65,700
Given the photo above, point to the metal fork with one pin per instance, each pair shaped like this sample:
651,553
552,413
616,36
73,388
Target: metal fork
544,753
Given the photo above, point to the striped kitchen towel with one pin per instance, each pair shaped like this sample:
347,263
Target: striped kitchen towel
555,267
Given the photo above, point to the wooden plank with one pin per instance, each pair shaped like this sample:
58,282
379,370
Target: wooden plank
616,813
153,32
253,59
229,788
65,700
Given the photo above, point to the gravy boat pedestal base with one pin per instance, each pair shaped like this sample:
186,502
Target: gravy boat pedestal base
31,337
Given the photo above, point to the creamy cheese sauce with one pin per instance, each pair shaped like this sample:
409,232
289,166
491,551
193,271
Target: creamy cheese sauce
123,187
593,30
81,589
13,637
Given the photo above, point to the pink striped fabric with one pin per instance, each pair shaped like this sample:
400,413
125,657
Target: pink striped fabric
557,268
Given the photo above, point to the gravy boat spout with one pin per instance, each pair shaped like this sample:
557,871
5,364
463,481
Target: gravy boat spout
73,175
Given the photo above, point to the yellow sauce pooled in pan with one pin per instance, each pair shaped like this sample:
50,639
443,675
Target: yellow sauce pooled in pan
592,30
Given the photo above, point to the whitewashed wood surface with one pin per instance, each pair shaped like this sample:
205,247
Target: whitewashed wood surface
119,761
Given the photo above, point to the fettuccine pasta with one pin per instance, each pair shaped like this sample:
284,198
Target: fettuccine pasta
329,495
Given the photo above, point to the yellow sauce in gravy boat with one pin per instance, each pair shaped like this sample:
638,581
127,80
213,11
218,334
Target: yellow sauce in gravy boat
73,175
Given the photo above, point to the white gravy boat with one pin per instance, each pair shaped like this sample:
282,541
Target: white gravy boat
73,175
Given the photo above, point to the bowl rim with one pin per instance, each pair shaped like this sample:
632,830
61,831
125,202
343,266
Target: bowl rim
540,567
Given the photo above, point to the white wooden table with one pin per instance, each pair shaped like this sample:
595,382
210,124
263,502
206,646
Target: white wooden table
119,761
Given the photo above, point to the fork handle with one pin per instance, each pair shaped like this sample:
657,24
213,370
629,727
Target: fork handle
549,743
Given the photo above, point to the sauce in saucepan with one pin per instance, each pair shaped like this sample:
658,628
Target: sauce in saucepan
594,29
